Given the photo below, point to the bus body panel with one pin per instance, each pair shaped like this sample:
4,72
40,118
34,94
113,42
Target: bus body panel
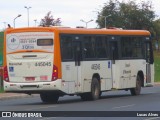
80,79
99,68
32,87
39,67
69,77
152,74
125,73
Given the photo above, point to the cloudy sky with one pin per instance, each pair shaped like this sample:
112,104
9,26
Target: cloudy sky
70,11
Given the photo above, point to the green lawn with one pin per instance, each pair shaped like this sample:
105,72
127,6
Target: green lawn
1,90
157,66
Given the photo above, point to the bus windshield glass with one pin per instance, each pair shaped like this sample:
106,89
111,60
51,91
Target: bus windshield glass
30,41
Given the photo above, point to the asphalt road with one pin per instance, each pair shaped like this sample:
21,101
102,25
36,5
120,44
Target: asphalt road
149,100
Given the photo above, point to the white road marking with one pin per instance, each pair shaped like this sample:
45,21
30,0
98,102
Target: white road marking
153,118
123,106
41,107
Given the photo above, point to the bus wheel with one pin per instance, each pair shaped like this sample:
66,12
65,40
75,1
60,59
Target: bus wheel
95,89
137,89
49,97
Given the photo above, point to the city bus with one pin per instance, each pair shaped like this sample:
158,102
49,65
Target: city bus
58,61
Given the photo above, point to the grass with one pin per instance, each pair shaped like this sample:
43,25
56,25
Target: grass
1,90
157,65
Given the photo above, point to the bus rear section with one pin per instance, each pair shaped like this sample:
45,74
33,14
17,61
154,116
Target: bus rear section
29,62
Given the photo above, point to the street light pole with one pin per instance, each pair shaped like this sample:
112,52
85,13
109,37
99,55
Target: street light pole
16,18
86,22
35,22
106,20
27,13
105,17
4,25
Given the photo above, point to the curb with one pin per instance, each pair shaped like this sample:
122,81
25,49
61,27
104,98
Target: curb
157,84
7,96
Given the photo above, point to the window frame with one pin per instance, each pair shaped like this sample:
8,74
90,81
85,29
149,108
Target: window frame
66,35
45,39
142,46
104,37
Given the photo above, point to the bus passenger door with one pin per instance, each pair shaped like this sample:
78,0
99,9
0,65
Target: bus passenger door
113,44
78,61
149,64
71,63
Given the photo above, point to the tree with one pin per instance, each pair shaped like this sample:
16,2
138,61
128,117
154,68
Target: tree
126,15
156,33
48,20
156,26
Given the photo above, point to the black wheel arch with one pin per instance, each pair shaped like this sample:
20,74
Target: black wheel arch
141,75
96,75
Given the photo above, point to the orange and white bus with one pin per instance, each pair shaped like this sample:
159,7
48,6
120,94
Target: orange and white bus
56,61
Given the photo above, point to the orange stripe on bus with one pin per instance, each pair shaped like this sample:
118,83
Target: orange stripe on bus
21,51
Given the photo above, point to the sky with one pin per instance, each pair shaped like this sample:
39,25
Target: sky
70,11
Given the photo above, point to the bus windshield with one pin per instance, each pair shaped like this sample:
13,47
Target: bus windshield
30,41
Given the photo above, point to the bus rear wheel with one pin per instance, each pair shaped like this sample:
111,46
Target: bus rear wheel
137,89
95,89
49,97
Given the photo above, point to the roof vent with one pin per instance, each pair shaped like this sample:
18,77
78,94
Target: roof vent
80,27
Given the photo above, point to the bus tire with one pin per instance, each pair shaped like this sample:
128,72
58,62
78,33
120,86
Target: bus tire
95,89
137,89
49,97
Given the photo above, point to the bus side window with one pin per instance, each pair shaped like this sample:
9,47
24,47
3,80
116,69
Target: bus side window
66,48
126,45
132,47
89,47
101,47
137,47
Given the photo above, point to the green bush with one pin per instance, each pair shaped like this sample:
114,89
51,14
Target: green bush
157,65
1,90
